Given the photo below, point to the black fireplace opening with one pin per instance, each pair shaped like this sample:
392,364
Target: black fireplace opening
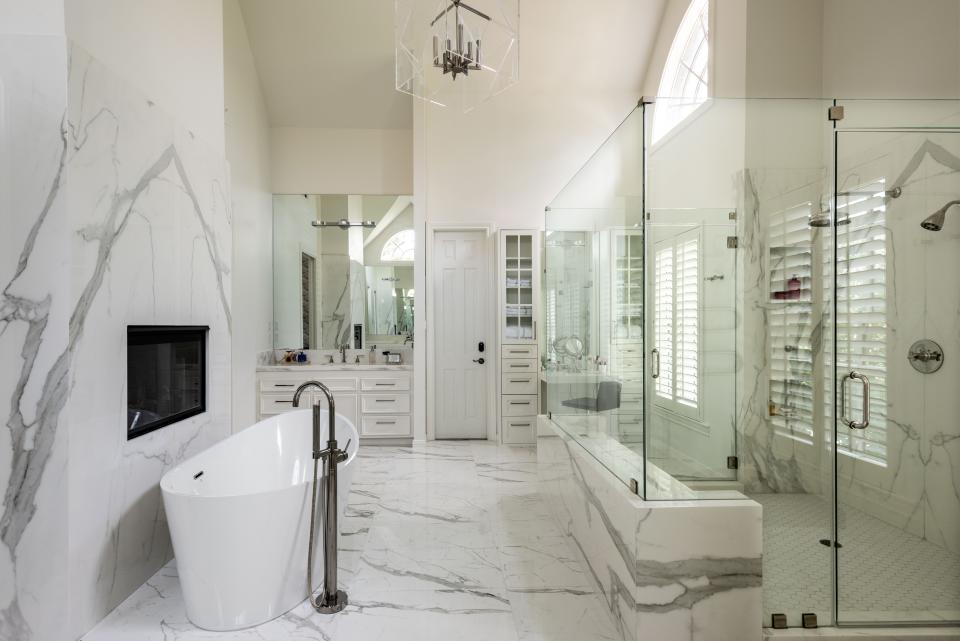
166,375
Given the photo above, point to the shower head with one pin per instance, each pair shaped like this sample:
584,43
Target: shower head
934,222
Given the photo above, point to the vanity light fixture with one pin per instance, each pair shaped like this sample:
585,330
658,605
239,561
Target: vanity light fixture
343,223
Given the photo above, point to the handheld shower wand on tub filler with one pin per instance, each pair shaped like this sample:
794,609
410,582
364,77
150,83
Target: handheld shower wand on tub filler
332,600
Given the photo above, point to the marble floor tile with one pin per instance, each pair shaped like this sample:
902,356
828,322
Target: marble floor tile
406,535
561,615
440,542
451,568
549,563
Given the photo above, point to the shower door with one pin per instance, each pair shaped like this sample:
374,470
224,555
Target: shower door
896,400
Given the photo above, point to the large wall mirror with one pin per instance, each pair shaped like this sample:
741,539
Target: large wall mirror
342,285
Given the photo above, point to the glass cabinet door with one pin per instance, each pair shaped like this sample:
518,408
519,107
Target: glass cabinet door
628,286
518,283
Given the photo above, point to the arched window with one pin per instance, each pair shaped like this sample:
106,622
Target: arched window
685,72
399,248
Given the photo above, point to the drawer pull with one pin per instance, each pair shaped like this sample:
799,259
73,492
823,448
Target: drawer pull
521,380
283,384
520,424
385,400
385,384
518,351
290,401
519,402
524,366
386,422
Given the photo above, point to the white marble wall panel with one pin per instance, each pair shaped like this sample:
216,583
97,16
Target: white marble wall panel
35,347
667,569
150,243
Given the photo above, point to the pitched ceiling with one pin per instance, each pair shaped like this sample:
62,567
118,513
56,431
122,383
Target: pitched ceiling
327,63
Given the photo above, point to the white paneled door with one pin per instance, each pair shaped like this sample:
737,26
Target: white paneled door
461,326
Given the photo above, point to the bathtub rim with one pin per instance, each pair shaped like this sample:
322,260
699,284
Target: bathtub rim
165,482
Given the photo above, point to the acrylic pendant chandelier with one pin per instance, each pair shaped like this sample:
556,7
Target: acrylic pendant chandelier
456,52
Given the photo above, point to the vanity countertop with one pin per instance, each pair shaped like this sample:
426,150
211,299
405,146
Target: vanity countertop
334,367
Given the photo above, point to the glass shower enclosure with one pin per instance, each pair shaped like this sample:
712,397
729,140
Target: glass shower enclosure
764,302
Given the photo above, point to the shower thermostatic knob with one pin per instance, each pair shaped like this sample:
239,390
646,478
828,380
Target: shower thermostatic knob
926,356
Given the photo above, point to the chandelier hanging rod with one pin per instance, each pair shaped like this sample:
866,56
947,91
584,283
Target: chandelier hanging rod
457,4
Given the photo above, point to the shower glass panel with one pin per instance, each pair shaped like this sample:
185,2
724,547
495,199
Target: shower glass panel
718,301
593,290
897,431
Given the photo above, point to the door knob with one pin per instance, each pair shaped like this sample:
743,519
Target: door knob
479,360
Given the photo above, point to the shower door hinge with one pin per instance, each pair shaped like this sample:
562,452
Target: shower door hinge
835,113
733,462
634,486
732,242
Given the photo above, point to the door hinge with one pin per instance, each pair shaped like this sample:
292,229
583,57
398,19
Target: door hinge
835,113
634,486
732,215
732,242
733,462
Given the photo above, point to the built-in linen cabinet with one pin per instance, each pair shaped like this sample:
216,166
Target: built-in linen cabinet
519,374
377,402
626,357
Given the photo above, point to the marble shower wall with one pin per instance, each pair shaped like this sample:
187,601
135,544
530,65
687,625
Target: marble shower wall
663,572
35,344
917,485
113,215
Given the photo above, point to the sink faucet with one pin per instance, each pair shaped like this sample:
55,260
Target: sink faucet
332,600
343,353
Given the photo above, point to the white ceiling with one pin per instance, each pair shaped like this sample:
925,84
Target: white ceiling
327,63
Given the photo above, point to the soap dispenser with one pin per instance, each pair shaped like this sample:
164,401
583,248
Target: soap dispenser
372,358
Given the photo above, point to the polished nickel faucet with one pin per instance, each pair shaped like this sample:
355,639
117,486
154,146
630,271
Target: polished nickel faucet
332,600
343,353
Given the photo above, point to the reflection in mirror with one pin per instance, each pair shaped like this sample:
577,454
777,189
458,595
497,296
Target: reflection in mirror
336,287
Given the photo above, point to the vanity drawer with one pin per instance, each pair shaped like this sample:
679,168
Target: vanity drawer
520,430
385,426
519,383
385,383
384,403
518,366
279,403
629,363
291,382
518,405
519,351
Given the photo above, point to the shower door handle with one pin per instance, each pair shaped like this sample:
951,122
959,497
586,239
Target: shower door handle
865,422
656,362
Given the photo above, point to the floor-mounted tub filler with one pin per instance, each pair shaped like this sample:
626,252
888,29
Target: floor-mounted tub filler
239,517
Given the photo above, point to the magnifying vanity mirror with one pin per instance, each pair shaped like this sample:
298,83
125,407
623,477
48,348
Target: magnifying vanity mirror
348,283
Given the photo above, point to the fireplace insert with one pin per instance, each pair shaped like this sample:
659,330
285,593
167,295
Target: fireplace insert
166,375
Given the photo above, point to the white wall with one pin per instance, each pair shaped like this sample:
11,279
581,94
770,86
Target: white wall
341,161
170,50
891,48
39,17
505,161
247,131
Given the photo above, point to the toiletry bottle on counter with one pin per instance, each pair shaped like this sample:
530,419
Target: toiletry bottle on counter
372,358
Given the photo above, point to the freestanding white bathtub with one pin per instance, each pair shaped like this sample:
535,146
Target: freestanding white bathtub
239,516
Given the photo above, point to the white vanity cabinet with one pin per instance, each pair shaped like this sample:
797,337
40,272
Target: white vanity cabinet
376,400
519,359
